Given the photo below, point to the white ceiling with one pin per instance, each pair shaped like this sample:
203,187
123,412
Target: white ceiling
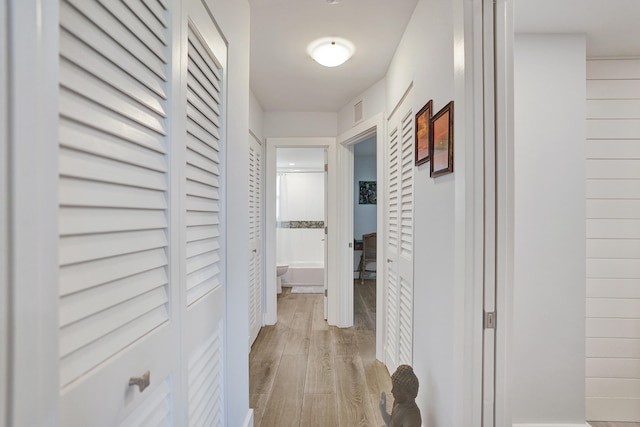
612,27
285,78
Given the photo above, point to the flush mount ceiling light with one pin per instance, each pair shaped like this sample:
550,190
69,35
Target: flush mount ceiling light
331,51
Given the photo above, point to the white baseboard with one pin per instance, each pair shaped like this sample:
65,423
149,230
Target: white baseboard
248,421
552,425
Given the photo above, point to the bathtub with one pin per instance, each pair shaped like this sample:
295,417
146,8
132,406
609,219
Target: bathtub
304,279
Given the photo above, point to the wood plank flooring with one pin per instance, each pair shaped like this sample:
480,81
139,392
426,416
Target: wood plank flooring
305,373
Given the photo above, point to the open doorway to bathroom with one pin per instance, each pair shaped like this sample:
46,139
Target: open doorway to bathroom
365,233
301,212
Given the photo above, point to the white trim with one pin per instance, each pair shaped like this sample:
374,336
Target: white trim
504,34
33,42
469,214
248,421
271,309
361,131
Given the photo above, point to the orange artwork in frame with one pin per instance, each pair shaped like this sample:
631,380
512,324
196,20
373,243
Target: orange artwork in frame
423,134
442,141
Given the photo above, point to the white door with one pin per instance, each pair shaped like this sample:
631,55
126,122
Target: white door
399,280
141,215
325,239
255,239
117,314
203,302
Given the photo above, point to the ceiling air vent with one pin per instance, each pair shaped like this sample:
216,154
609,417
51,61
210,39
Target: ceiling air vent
357,112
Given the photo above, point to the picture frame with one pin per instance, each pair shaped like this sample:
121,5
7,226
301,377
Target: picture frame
441,148
368,193
423,133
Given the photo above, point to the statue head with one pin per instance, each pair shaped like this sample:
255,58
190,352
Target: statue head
404,384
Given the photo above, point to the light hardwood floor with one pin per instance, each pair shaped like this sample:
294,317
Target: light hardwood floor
305,373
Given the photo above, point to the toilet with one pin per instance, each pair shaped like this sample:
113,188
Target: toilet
280,270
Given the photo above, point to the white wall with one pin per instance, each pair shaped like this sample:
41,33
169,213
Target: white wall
431,30
301,198
549,247
233,18
613,240
284,124
373,102
256,117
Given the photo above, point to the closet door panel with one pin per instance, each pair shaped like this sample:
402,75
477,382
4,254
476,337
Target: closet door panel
116,311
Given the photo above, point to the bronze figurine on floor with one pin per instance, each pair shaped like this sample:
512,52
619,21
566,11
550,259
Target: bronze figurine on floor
405,412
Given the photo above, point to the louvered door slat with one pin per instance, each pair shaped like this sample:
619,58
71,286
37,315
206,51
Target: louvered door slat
202,176
79,306
85,57
195,131
197,146
122,35
141,31
203,81
155,410
84,166
107,120
76,80
92,328
393,190
149,19
197,189
80,362
92,141
75,23
205,104
201,93
158,7
201,161
75,220
202,169
205,386
85,193
201,57
406,227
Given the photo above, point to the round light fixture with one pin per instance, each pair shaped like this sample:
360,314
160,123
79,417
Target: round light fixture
331,51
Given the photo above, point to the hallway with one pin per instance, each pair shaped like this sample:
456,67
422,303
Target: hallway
303,372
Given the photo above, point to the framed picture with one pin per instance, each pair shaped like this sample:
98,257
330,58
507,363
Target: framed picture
442,141
423,133
367,193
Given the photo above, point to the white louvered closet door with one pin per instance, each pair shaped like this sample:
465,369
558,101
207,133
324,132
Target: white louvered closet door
405,256
255,238
116,310
393,244
203,304
399,292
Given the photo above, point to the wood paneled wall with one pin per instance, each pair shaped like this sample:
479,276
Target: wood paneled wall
613,240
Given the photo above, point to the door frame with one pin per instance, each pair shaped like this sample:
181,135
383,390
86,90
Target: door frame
271,294
32,214
345,141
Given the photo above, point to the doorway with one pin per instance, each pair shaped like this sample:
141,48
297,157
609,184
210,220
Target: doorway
300,219
364,233
300,208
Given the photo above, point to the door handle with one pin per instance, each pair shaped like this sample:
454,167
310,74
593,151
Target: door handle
142,381
389,260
